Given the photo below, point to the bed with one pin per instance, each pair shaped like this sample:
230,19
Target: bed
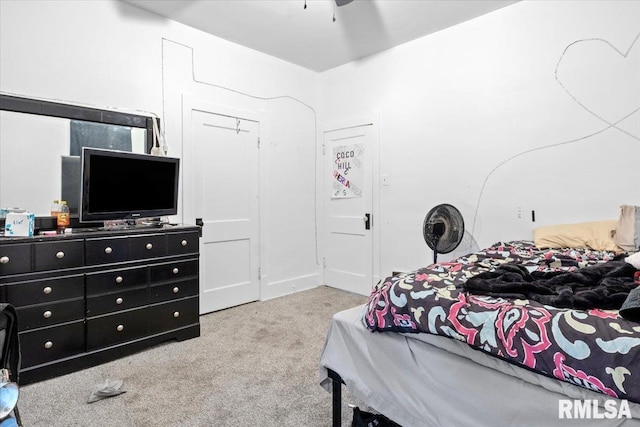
434,347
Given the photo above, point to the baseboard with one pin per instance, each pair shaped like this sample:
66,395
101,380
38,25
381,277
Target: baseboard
289,286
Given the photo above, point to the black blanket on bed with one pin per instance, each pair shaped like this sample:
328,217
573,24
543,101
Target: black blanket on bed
604,286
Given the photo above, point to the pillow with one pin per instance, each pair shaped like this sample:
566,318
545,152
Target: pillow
597,235
628,228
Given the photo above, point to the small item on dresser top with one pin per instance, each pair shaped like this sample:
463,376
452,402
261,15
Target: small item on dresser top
19,223
115,224
55,208
5,211
48,233
63,216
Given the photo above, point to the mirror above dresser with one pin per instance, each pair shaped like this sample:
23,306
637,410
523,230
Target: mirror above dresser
40,143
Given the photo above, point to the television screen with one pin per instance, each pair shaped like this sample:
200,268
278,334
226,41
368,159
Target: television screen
123,185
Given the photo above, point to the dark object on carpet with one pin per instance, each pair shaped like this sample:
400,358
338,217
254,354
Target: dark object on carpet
368,419
110,388
604,286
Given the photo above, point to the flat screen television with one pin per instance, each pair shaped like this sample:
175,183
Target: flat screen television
118,185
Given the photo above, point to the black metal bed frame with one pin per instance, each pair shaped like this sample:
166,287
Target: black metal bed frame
336,397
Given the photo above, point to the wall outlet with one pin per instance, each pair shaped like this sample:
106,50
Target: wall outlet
519,212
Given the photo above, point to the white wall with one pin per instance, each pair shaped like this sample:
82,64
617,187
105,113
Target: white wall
457,104
109,54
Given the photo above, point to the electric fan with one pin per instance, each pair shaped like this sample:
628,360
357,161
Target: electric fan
443,229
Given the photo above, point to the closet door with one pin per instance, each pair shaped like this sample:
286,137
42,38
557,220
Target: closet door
225,184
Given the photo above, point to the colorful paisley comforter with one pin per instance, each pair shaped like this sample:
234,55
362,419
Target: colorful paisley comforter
594,348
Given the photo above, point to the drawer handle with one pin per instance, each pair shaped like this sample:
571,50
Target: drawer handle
175,270
149,246
176,314
183,243
48,344
60,255
47,290
119,301
176,290
46,314
120,328
119,279
4,260
108,250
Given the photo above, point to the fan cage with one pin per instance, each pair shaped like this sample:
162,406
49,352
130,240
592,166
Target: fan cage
451,218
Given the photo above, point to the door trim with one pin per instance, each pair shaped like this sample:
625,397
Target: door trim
370,119
188,185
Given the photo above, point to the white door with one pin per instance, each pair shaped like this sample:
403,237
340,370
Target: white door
225,180
348,209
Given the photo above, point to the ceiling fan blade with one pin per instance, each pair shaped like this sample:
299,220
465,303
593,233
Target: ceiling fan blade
343,2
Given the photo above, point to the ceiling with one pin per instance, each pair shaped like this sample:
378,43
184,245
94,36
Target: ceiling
309,36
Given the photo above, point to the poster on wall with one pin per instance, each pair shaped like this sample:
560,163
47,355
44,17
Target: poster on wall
348,175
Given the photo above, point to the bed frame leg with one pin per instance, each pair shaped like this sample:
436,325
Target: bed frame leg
337,397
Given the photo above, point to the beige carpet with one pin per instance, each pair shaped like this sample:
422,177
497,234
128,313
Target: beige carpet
253,365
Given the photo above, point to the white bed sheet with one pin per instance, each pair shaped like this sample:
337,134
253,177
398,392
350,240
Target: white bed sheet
438,381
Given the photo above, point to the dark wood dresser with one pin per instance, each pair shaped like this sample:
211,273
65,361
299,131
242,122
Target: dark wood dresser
88,297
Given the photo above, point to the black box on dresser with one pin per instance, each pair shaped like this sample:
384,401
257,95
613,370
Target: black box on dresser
88,297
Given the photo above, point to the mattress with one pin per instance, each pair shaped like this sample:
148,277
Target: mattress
554,312
420,379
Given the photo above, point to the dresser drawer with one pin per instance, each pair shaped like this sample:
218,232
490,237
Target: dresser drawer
116,328
147,246
183,243
48,290
36,316
108,303
173,290
15,258
48,344
106,250
58,254
116,280
173,270
172,315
